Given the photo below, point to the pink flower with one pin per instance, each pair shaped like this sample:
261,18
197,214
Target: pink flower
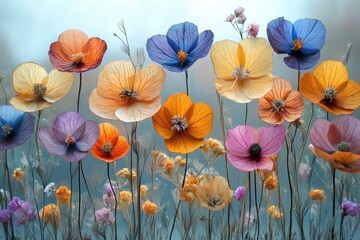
337,142
249,148
253,29
230,18
239,11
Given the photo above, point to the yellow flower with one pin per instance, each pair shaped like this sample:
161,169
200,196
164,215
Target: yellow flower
317,195
50,214
143,190
18,174
126,173
149,207
169,166
274,212
63,194
271,182
180,161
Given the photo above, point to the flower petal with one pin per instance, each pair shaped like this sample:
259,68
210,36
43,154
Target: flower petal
332,73
349,130
162,123
182,36
50,142
294,106
148,82
94,51
59,59
72,41
239,140
312,32
138,110
349,97
65,124
29,106
300,61
58,85
25,76
271,139
320,153
311,88
160,51
203,46
254,88
319,136
279,32
178,104
183,143
232,90
74,156
103,107
88,136
200,117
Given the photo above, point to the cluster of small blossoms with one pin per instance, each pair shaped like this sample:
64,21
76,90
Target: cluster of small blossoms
274,212
125,199
22,211
240,193
238,18
104,215
215,147
149,207
187,193
271,182
50,214
126,173
317,195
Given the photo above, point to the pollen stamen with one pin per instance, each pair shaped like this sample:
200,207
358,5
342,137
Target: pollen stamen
107,148
182,56
7,130
179,123
214,200
298,44
240,73
329,94
343,146
278,105
77,57
39,89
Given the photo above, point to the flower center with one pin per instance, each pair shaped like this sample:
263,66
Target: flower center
179,123
343,146
182,56
77,57
127,95
329,94
214,200
255,151
107,148
7,130
39,89
298,44
278,105
240,73
70,140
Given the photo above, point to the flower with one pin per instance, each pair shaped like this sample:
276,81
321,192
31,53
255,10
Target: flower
104,216
63,194
149,207
240,193
15,204
126,197
143,190
126,173
330,88
18,174
22,210
337,142
182,123
36,89
215,147
70,136
271,182
180,48
239,11
253,29
15,127
274,212
50,214
126,94
187,193
349,208
249,148
242,69
4,216
110,146
317,195
50,188
280,103
168,165
214,192
302,41
75,52
230,18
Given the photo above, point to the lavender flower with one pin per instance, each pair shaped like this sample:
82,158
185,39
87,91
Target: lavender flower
240,193
104,216
4,216
50,188
22,210
349,208
239,11
15,204
253,29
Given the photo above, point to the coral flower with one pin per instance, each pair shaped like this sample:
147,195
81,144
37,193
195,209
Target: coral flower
301,41
110,146
242,69
330,88
183,124
70,136
281,103
180,48
214,192
15,127
337,142
63,194
75,52
249,148
35,89
126,94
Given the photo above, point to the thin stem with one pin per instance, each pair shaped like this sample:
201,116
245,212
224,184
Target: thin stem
79,210
298,80
10,190
290,186
341,226
5,94
209,224
88,189
333,201
79,93
138,181
131,179
187,82
113,191
257,209
249,189
246,113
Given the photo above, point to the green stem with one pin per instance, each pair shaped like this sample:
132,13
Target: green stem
187,82
113,191
333,201
298,80
290,187
249,189
209,224
10,190
341,226
246,113
79,93
257,209
5,94
79,209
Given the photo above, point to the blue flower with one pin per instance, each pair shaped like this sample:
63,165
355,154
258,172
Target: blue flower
15,127
181,46
302,41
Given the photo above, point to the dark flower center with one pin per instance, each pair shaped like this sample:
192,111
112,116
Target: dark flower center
70,140
343,146
214,200
128,95
39,89
107,148
278,105
255,151
7,130
182,56
329,94
240,73
298,44
179,123
77,57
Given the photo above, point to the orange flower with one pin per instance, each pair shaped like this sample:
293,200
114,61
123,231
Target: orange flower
126,94
281,103
242,69
182,123
75,52
330,88
50,214
18,174
63,194
110,146
36,89
149,207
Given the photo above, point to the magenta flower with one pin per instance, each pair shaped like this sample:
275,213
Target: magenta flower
70,136
349,208
337,142
249,148
104,216
240,192
4,216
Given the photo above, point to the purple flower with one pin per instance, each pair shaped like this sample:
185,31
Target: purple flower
249,148
253,29
22,210
349,208
302,41
15,204
239,11
181,47
240,192
70,136
4,216
15,127
104,216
